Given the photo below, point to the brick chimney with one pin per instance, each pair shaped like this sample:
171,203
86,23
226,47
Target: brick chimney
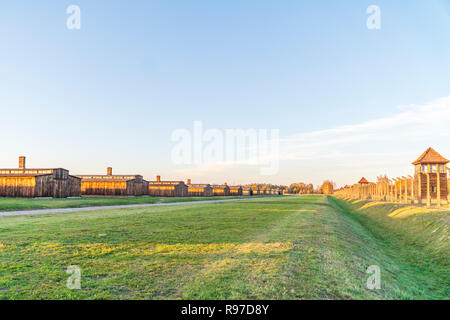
188,181
109,171
22,162
158,178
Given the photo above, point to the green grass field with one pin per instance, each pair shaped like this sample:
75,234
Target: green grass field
11,204
311,247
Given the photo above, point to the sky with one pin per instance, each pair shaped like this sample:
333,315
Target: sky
348,101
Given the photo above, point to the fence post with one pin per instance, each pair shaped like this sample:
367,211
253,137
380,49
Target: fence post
448,187
413,200
428,190
395,190
438,176
391,191
405,197
419,186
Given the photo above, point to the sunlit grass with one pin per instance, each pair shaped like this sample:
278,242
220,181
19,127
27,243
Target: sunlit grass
310,247
368,205
141,249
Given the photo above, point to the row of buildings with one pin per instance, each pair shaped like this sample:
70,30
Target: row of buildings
429,184
58,183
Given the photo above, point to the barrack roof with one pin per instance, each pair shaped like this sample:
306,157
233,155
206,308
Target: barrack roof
165,183
28,172
115,178
199,185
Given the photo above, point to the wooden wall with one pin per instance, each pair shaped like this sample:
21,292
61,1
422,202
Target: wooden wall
39,186
104,188
235,191
200,191
181,190
140,188
17,187
221,191
70,187
114,187
433,185
156,190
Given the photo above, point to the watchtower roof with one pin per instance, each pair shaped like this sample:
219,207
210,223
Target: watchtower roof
431,156
363,180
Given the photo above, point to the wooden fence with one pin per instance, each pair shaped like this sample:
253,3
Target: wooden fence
430,188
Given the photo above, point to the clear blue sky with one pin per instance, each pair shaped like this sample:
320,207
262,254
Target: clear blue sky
113,92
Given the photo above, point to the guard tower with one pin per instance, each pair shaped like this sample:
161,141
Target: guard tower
363,188
430,177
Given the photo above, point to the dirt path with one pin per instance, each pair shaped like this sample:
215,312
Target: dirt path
124,206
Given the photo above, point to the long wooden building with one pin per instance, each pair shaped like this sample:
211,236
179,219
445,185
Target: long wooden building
221,190
199,190
113,185
35,183
247,191
235,190
160,188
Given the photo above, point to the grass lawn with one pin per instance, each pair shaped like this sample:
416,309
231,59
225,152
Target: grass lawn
12,204
310,247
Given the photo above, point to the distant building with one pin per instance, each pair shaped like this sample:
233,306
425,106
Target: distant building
364,187
31,183
327,188
430,176
113,185
235,190
221,190
199,190
160,188
247,191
